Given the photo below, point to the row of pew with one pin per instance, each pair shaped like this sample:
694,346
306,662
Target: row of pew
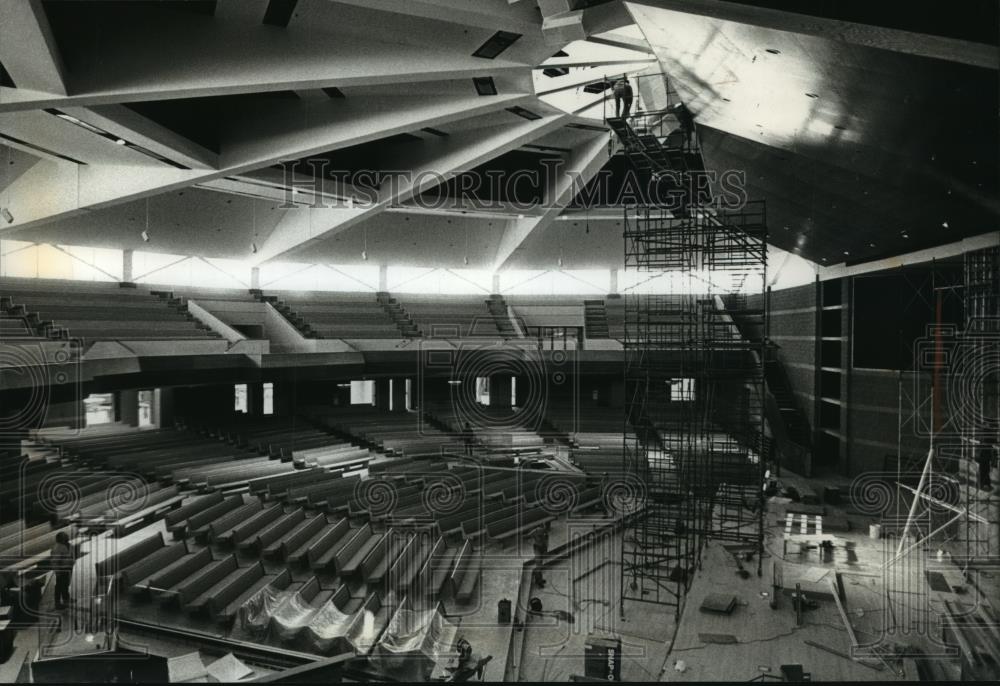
405,434
221,457
336,315
206,573
96,311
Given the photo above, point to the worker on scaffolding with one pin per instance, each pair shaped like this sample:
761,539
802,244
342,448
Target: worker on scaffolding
686,121
985,461
623,96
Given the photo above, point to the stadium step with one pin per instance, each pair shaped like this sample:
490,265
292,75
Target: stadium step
398,314
596,319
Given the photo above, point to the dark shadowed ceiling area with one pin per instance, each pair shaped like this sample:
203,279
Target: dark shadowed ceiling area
859,152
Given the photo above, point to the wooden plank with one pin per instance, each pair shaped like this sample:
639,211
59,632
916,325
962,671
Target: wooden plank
843,613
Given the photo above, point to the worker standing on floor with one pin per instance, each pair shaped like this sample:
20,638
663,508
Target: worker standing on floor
540,542
469,663
61,562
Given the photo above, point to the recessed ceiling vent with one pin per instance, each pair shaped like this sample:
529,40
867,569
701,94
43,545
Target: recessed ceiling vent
497,43
527,114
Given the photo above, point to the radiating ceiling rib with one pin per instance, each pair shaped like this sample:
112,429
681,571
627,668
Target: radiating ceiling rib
426,168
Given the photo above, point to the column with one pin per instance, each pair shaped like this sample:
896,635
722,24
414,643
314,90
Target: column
383,278
522,391
382,394
399,395
500,388
127,265
255,399
496,283
127,407
613,284
255,278
163,407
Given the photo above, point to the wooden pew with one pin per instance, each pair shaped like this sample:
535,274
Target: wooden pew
166,499
375,566
408,564
128,556
196,584
297,487
435,571
227,613
506,529
247,527
353,550
274,486
153,564
273,532
228,520
223,592
292,541
174,573
177,517
206,516
319,551
465,576
480,523
340,488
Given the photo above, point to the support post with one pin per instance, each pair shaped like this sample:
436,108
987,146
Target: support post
127,265
383,278
163,404
127,407
399,395
382,394
255,399
500,390
255,278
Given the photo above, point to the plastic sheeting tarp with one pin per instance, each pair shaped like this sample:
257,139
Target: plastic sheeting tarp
275,616
291,616
328,625
364,633
419,631
255,614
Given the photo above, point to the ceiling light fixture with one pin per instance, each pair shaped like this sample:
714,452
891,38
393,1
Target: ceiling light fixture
145,231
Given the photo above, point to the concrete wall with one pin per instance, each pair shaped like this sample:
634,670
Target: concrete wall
793,330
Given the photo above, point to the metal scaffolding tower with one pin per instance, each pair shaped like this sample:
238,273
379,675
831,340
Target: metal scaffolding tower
979,413
694,385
